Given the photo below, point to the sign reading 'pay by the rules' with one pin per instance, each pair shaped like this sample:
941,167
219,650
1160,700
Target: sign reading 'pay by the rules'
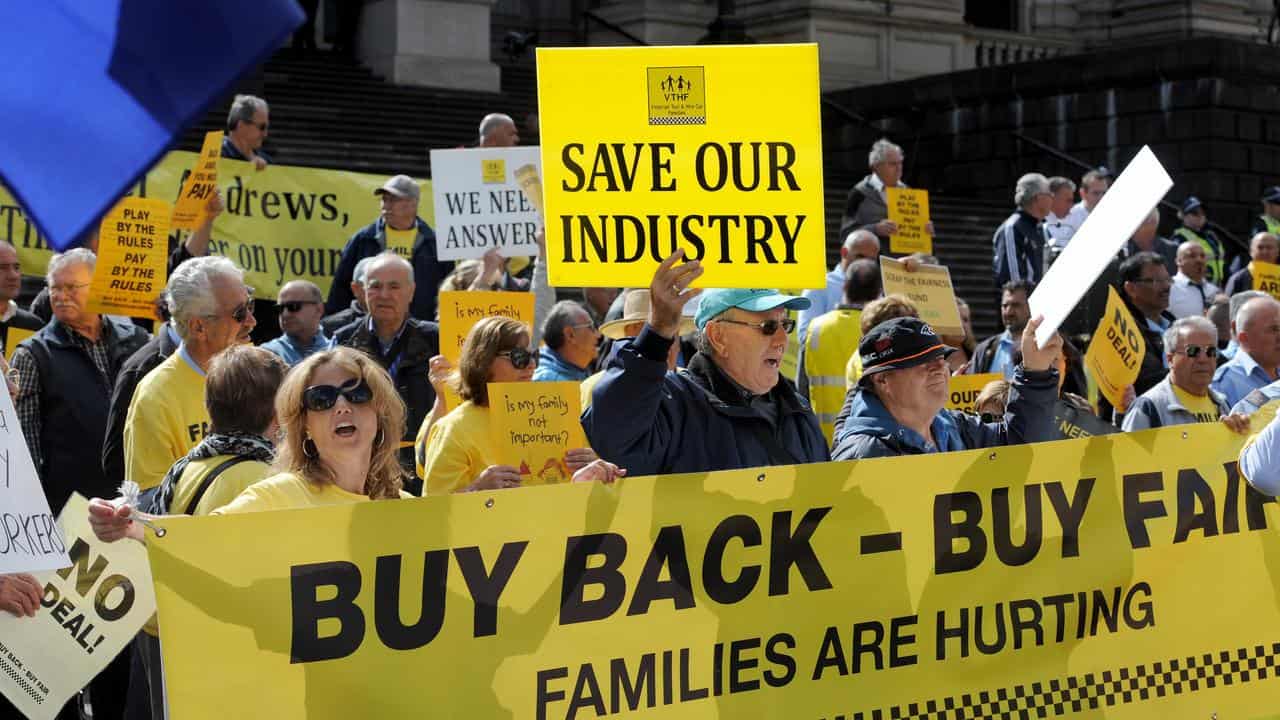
716,150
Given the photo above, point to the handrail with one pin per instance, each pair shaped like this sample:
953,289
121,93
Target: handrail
586,28
1167,204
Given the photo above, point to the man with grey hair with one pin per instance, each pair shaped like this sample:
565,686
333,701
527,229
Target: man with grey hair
1257,359
866,207
858,244
398,228
401,344
1185,395
1234,303
1056,225
498,130
357,310
247,124
211,309
572,342
65,374
301,305
1019,241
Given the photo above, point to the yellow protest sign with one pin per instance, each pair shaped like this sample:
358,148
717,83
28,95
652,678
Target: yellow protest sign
963,390
1007,581
189,211
910,210
929,288
1115,353
531,185
280,224
460,310
132,261
13,336
1266,277
533,424
89,611
714,149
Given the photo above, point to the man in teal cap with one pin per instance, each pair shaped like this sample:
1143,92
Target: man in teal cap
730,408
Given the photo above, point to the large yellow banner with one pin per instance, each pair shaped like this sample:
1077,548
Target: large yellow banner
717,150
1127,576
280,224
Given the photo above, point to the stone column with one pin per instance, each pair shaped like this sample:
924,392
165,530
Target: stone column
438,43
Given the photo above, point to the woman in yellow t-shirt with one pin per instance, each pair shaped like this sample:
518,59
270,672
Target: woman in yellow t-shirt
457,454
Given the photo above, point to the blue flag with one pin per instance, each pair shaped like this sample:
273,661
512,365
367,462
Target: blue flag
94,92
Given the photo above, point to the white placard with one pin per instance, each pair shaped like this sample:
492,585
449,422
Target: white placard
1112,222
29,536
479,204
88,613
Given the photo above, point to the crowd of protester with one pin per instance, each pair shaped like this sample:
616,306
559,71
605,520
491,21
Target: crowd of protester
343,400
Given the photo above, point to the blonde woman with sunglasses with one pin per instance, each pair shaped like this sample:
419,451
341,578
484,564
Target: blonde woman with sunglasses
455,453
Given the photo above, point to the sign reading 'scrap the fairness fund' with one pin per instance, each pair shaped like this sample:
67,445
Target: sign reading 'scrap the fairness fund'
716,150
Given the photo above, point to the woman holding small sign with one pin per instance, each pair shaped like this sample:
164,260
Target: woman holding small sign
456,453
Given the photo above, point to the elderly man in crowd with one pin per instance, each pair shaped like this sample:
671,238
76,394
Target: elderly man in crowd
1147,239
10,285
498,130
833,338
730,409
357,310
858,244
1191,294
1263,247
867,206
1057,227
301,306
1019,241
572,342
247,124
398,229
898,407
1194,226
995,354
1185,395
401,344
65,375
211,310
1257,357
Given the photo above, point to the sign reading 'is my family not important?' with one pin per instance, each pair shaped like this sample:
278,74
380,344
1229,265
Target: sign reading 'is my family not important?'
533,425
716,150
132,257
461,310
479,202
89,611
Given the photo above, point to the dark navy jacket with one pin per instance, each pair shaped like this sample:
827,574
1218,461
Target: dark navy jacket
428,272
651,421
866,429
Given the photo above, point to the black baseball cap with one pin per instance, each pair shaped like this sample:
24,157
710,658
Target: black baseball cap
1192,204
900,343
1272,195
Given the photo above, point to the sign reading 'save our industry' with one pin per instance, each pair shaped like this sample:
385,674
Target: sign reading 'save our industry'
716,150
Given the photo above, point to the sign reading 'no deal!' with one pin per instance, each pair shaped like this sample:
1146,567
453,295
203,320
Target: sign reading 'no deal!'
716,150
479,202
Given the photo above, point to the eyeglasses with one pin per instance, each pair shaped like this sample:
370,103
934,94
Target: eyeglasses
294,306
67,288
766,328
584,325
243,311
519,358
1193,351
263,127
1153,281
319,398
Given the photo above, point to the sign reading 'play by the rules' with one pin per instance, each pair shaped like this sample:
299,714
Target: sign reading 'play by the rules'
716,150
479,204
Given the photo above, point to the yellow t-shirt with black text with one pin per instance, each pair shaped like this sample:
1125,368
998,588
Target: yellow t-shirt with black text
1201,406
401,241
167,417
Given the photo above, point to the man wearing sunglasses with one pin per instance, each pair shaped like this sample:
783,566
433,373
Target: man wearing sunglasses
572,343
1185,395
247,124
301,306
730,408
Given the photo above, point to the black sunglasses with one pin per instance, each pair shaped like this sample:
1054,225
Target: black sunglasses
768,327
319,398
296,305
242,313
1191,351
520,358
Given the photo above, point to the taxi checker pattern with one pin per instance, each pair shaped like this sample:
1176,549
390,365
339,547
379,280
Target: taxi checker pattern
1077,693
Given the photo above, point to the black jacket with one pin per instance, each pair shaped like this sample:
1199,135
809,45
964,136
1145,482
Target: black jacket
74,400
408,361
428,271
1018,249
1152,370
332,323
131,373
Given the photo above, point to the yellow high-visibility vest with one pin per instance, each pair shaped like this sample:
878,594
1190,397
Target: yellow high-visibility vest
832,338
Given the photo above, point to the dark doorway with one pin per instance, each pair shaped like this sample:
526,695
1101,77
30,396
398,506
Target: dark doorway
994,14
